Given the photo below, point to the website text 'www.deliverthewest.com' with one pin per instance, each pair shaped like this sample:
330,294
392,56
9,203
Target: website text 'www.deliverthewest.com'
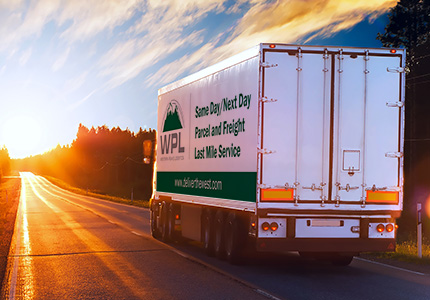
207,184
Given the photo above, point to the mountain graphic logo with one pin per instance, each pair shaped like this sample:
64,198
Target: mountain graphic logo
173,117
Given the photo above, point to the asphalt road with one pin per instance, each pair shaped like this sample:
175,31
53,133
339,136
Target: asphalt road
68,246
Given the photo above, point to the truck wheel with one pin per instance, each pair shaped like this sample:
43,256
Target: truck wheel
175,235
153,222
165,234
219,235
170,222
208,233
234,239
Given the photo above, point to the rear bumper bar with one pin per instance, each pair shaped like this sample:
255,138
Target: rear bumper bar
326,245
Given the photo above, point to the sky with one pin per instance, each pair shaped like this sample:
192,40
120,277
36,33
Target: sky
101,62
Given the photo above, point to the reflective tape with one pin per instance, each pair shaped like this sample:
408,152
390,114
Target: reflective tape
277,195
382,197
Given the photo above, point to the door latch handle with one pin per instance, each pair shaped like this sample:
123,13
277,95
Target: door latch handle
313,187
347,188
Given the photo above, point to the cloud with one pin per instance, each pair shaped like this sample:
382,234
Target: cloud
286,21
138,34
277,21
128,59
76,104
7,4
59,63
156,35
82,19
75,83
91,17
22,22
25,57
172,71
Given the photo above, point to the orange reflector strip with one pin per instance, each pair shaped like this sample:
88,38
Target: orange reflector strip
277,195
382,197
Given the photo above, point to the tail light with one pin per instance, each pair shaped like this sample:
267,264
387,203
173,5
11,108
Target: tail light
274,226
389,227
380,227
265,226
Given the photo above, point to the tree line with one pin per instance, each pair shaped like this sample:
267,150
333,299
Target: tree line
107,161
4,162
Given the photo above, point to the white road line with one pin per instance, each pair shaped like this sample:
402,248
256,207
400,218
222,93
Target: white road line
17,233
180,253
267,294
136,233
220,271
389,266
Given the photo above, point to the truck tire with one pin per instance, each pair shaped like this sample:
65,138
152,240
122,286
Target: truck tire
154,226
175,235
170,222
208,232
234,239
219,234
165,234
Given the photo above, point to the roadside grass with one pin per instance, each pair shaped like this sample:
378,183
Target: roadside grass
9,192
10,189
408,252
95,194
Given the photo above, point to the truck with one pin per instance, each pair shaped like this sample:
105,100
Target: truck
283,148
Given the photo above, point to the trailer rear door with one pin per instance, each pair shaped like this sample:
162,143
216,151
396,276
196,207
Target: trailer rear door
366,126
330,126
296,126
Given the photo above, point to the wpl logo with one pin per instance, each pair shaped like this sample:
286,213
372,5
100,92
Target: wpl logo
173,120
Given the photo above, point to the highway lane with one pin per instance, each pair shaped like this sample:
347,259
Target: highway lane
71,246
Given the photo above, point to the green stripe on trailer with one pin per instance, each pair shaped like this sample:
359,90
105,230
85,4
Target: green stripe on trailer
225,185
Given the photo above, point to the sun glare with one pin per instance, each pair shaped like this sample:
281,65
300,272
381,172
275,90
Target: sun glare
22,136
427,206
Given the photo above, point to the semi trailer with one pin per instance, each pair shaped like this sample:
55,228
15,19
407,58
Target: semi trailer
284,148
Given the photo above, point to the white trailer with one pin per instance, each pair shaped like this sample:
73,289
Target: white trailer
284,148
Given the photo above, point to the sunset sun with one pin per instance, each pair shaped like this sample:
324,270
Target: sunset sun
22,135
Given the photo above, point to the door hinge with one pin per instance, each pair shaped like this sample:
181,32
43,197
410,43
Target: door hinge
286,186
268,65
394,154
396,70
374,188
265,151
266,100
395,104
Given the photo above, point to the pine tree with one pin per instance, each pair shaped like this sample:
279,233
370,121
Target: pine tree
408,27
